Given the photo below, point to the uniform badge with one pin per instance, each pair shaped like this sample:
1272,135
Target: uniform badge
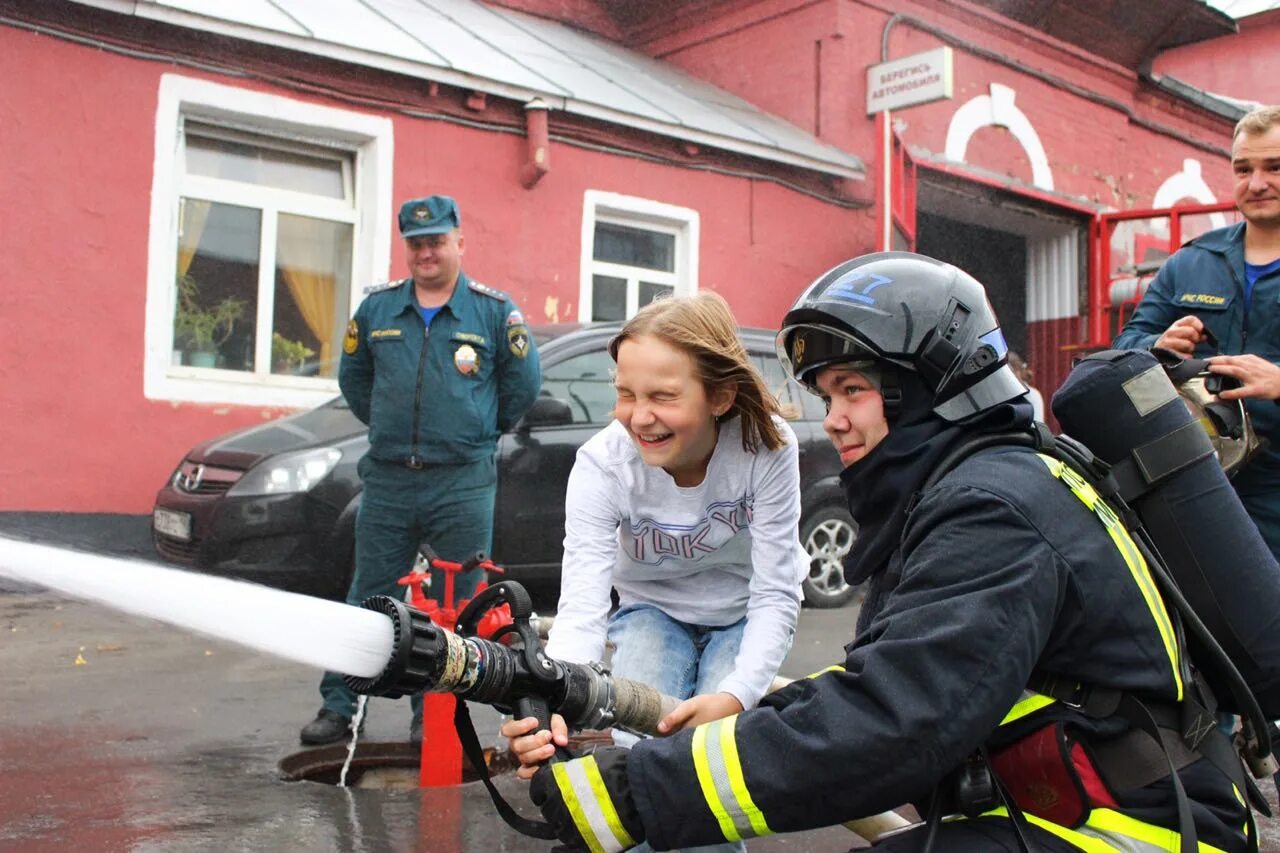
518,340
351,342
466,360
515,318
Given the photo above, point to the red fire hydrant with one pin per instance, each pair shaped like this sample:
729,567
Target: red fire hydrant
441,759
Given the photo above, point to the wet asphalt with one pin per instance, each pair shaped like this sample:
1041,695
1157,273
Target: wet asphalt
121,733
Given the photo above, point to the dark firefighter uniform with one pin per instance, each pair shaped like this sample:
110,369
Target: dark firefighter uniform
1008,567
435,399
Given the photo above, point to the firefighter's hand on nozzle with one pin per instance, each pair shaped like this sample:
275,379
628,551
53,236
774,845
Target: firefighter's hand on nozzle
698,710
1258,377
588,801
534,748
1183,336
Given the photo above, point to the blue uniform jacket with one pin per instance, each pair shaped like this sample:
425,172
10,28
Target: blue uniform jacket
1001,571
1206,278
442,395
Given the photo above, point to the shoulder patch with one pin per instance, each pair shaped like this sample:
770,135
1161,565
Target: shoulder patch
488,291
1209,299
378,288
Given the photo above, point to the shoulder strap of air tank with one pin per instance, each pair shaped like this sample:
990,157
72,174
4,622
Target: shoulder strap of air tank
1039,438
1147,465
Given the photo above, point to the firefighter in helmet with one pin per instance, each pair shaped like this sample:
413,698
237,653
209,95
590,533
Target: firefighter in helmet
1012,660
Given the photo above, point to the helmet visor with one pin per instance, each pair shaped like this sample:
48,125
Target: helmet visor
804,350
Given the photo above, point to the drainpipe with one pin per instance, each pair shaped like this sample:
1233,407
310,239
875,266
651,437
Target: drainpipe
539,161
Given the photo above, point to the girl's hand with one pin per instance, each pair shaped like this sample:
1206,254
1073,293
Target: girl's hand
698,710
534,748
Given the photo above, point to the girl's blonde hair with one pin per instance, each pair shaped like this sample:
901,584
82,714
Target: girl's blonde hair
704,327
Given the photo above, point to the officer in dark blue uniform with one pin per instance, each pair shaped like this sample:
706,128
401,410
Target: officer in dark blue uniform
1219,295
438,366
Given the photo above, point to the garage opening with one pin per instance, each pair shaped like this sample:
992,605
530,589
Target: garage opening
1032,257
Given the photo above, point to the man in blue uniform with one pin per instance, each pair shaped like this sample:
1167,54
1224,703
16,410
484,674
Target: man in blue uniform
1220,293
1006,612
438,366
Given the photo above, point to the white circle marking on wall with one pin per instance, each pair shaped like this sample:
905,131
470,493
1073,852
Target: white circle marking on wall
998,110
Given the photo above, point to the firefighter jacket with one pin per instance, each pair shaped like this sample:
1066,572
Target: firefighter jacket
439,395
1004,568
1206,278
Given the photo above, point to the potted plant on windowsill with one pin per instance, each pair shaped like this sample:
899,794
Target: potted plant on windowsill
288,356
203,330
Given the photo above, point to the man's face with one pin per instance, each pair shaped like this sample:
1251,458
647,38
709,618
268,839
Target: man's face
1255,160
855,420
434,259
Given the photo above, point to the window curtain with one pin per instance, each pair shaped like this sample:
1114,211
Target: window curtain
307,262
194,215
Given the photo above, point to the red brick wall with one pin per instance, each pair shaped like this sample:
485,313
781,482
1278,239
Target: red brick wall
1245,65
77,125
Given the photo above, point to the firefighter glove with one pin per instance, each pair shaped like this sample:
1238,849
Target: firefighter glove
588,801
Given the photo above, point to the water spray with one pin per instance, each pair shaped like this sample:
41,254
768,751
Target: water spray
325,634
385,647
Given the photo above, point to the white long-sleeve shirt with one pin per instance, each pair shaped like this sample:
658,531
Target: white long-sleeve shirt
705,555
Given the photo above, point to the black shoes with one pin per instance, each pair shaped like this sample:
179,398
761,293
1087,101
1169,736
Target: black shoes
327,727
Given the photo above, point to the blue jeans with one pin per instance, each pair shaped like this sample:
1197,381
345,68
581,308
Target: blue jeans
676,658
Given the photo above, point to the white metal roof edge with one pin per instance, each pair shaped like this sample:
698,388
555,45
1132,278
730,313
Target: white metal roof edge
839,164
318,47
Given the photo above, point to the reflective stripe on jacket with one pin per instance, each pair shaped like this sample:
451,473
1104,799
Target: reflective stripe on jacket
1001,572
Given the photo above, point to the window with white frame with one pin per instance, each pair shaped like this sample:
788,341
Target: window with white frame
634,251
258,254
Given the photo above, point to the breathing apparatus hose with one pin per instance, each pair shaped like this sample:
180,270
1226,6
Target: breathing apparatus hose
1255,725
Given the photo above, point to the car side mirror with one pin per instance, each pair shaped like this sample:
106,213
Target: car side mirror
545,412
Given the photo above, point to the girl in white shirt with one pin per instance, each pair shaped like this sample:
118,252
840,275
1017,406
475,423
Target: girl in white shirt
688,504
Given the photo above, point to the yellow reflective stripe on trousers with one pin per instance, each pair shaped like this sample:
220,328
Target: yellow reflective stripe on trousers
585,796
715,757
1107,831
1132,557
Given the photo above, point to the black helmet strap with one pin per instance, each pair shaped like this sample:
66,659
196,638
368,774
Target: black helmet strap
940,352
891,391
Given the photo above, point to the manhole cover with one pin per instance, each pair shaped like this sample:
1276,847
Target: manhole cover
386,765
395,764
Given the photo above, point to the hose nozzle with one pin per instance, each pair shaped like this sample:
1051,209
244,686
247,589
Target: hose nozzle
424,656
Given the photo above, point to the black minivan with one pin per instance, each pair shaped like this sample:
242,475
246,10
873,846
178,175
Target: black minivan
276,503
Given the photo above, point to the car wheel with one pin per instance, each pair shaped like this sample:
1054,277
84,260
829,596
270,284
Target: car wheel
827,535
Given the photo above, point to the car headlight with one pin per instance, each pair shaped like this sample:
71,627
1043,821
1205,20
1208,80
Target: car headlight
287,473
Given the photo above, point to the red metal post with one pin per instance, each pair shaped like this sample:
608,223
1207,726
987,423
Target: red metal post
441,751
441,757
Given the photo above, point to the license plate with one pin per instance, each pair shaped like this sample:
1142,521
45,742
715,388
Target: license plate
170,523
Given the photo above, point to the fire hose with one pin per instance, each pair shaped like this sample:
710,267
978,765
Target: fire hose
513,675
